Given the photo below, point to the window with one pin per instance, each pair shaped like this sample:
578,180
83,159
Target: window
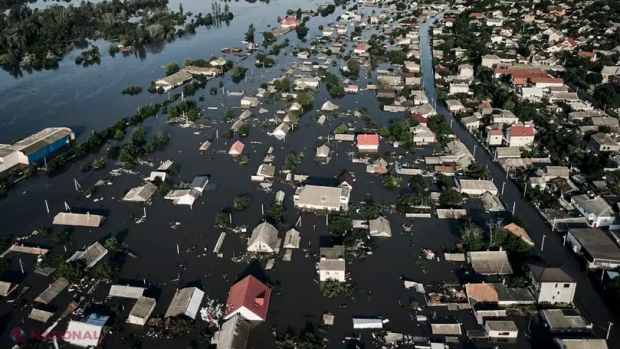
556,285
504,334
566,285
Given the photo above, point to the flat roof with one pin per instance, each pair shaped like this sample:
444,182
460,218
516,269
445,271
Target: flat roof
78,219
143,307
502,326
124,291
565,320
477,184
597,243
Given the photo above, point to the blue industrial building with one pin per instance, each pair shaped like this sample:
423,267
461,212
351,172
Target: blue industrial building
34,148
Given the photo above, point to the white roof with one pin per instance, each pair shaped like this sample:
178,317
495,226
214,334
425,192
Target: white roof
89,334
126,291
476,184
319,196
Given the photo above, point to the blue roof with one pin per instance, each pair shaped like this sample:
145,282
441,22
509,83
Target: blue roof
96,319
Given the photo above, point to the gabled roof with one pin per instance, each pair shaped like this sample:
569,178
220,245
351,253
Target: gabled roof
548,273
236,148
521,131
266,233
520,232
368,139
248,293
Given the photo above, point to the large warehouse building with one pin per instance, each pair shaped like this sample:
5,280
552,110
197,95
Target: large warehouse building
34,148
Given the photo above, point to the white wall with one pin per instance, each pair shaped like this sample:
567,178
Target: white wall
337,275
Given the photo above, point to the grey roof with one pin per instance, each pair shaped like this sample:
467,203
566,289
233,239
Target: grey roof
491,202
141,194
40,315
334,252
514,294
123,291
597,205
507,152
380,227
52,291
143,307
322,151
233,334
557,171
266,170
331,264
596,243
199,183
184,302
165,166
265,233
581,343
490,262
93,254
477,184
603,139
501,326
78,219
453,329
292,239
544,273
176,78
565,320
319,195
41,139
6,288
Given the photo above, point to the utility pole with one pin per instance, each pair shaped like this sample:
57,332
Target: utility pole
564,242
525,190
503,186
514,206
475,146
542,245
608,330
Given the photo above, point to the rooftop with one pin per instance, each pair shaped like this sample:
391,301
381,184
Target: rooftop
490,262
546,273
41,139
248,293
581,343
78,219
520,232
565,320
186,301
477,184
596,205
502,326
596,243
52,291
368,139
143,307
521,131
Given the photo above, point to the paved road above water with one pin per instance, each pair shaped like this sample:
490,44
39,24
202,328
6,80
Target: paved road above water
587,300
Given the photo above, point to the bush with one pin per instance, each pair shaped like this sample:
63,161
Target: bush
332,289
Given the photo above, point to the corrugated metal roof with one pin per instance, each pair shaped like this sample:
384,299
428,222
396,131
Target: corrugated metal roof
126,291
52,291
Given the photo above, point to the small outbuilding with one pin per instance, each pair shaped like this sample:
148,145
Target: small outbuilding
380,227
186,301
141,194
141,311
292,239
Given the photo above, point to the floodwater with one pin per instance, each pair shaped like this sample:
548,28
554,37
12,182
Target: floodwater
89,99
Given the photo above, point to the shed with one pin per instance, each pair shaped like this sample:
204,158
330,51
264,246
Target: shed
292,239
141,311
205,146
40,315
449,329
186,301
520,232
501,329
52,291
78,219
123,291
93,254
492,203
490,262
199,183
380,227
586,343
6,288
264,239
507,152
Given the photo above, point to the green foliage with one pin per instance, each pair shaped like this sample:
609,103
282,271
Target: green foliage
249,35
276,213
213,91
243,131
408,201
241,203
473,238
302,31
341,129
399,130
478,171
389,180
72,271
160,141
339,225
98,163
238,73
305,99
290,162
418,183
132,90
353,67
119,135
112,244
108,271
397,56
222,219
450,198
53,260
445,181
180,326
172,68
606,96
337,92
268,38
500,237
516,281
61,238
414,305
332,288
371,211
438,124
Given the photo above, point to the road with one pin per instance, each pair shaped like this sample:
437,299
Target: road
587,299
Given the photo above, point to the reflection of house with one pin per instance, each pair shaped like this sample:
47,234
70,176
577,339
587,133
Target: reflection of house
331,264
264,239
551,285
248,298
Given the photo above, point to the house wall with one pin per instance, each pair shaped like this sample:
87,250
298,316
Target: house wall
552,293
12,159
423,139
495,140
519,141
594,220
260,247
498,334
367,147
41,153
337,275
316,207
458,89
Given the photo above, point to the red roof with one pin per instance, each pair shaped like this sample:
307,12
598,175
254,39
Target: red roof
495,132
570,41
420,118
521,131
484,105
360,48
449,20
248,293
476,15
370,139
236,148
546,80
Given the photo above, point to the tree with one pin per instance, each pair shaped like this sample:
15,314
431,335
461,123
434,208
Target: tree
301,31
389,180
340,129
249,35
337,92
112,244
119,135
290,162
445,181
180,326
450,198
353,67
244,131
171,68
606,96
160,141
98,163
371,211
229,115
332,288
276,213
213,91
339,225
222,219
305,99
108,271
472,236
138,137
61,238
241,202
238,73
478,171
72,271
418,183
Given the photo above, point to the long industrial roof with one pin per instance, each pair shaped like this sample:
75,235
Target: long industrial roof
41,139
78,219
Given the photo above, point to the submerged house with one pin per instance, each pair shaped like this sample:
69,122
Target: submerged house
264,239
186,301
236,149
248,298
177,79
